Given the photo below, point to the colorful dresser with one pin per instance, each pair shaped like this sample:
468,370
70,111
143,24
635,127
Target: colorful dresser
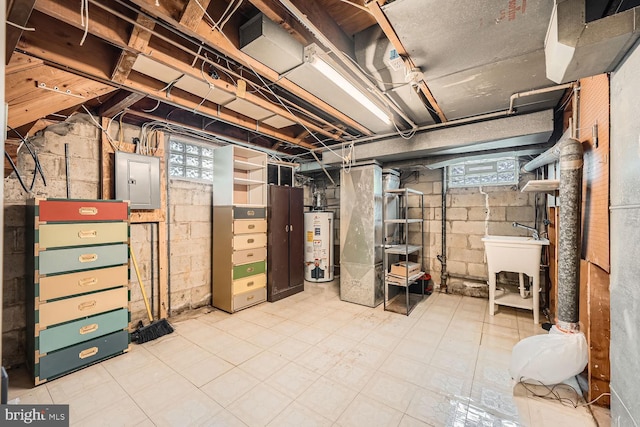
239,228
78,300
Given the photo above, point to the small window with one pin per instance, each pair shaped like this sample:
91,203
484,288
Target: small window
190,161
484,173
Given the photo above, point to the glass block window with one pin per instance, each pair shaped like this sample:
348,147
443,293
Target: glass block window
484,173
190,161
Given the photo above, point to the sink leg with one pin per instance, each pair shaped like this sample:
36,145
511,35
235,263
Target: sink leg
523,292
492,293
536,298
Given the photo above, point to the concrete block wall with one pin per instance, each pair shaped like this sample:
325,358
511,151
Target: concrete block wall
189,214
465,224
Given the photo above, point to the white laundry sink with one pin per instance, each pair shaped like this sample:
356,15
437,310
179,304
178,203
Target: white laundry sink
514,253
519,255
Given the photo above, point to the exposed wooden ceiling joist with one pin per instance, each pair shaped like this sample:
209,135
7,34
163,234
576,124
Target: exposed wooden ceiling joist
118,103
212,37
18,14
138,43
36,92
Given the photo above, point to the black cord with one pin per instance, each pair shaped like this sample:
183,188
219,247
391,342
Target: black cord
15,169
34,155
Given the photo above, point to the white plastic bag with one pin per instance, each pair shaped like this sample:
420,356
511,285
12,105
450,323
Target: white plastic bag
549,359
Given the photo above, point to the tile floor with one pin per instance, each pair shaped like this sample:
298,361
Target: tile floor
313,360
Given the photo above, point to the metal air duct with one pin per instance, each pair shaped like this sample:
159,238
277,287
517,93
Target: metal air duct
576,49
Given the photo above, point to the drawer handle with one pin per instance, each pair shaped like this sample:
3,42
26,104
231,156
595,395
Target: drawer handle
88,352
251,297
249,255
89,281
88,329
86,305
251,240
88,257
250,270
251,213
252,226
87,234
88,211
250,284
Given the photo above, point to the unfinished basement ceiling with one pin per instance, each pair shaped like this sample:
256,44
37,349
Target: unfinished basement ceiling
184,60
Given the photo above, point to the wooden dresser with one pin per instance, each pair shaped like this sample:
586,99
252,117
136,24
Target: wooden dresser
78,298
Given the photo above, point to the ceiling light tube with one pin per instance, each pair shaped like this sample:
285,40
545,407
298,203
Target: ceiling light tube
344,84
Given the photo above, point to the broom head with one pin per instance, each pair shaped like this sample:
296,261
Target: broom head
152,331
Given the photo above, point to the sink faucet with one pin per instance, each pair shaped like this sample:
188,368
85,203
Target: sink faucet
535,233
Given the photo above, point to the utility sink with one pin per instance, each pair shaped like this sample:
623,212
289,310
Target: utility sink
514,253
519,255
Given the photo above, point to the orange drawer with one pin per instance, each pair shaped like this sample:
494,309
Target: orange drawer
52,313
52,287
81,210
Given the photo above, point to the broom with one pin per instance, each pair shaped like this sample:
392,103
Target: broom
155,329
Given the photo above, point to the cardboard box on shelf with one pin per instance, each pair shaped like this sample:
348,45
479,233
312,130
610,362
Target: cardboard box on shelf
400,268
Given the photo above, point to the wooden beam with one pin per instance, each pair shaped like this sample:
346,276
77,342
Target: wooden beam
92,65
187,101
29,101
138,43
119,102
376,11
193,13
315,13
221,43
19,15
276,12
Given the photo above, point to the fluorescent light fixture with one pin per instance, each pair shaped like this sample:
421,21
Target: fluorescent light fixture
344,84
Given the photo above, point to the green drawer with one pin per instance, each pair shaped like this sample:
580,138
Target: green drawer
61,260
82,330
245,270
71,358
249,213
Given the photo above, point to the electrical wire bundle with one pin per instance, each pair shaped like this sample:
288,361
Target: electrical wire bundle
37,169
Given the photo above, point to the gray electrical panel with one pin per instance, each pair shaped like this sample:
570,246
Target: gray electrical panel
138,180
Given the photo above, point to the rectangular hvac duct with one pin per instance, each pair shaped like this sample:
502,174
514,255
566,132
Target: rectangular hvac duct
267,42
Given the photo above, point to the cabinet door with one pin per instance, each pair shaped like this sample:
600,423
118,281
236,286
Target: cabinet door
296,237
278,222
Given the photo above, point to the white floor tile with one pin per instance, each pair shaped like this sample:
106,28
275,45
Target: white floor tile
328,398
260,405
292,380
364,411
230,386
297,415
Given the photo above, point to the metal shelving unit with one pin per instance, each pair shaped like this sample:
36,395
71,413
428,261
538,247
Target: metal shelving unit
397,297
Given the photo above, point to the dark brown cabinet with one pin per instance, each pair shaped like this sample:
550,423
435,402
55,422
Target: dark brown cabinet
285,242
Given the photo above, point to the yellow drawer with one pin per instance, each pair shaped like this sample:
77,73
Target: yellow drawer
249,255
53,287
81,234
249,241
244,226
249,283
52,313
247,299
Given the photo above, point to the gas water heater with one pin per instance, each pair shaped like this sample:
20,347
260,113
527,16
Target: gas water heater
318,246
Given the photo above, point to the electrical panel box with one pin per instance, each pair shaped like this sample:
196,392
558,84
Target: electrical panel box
138,180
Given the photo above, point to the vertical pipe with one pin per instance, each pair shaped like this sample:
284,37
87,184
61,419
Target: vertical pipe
67,168
153,267
443,256
569,241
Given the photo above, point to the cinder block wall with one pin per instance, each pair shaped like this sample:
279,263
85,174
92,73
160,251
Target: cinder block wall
190,227
465,223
